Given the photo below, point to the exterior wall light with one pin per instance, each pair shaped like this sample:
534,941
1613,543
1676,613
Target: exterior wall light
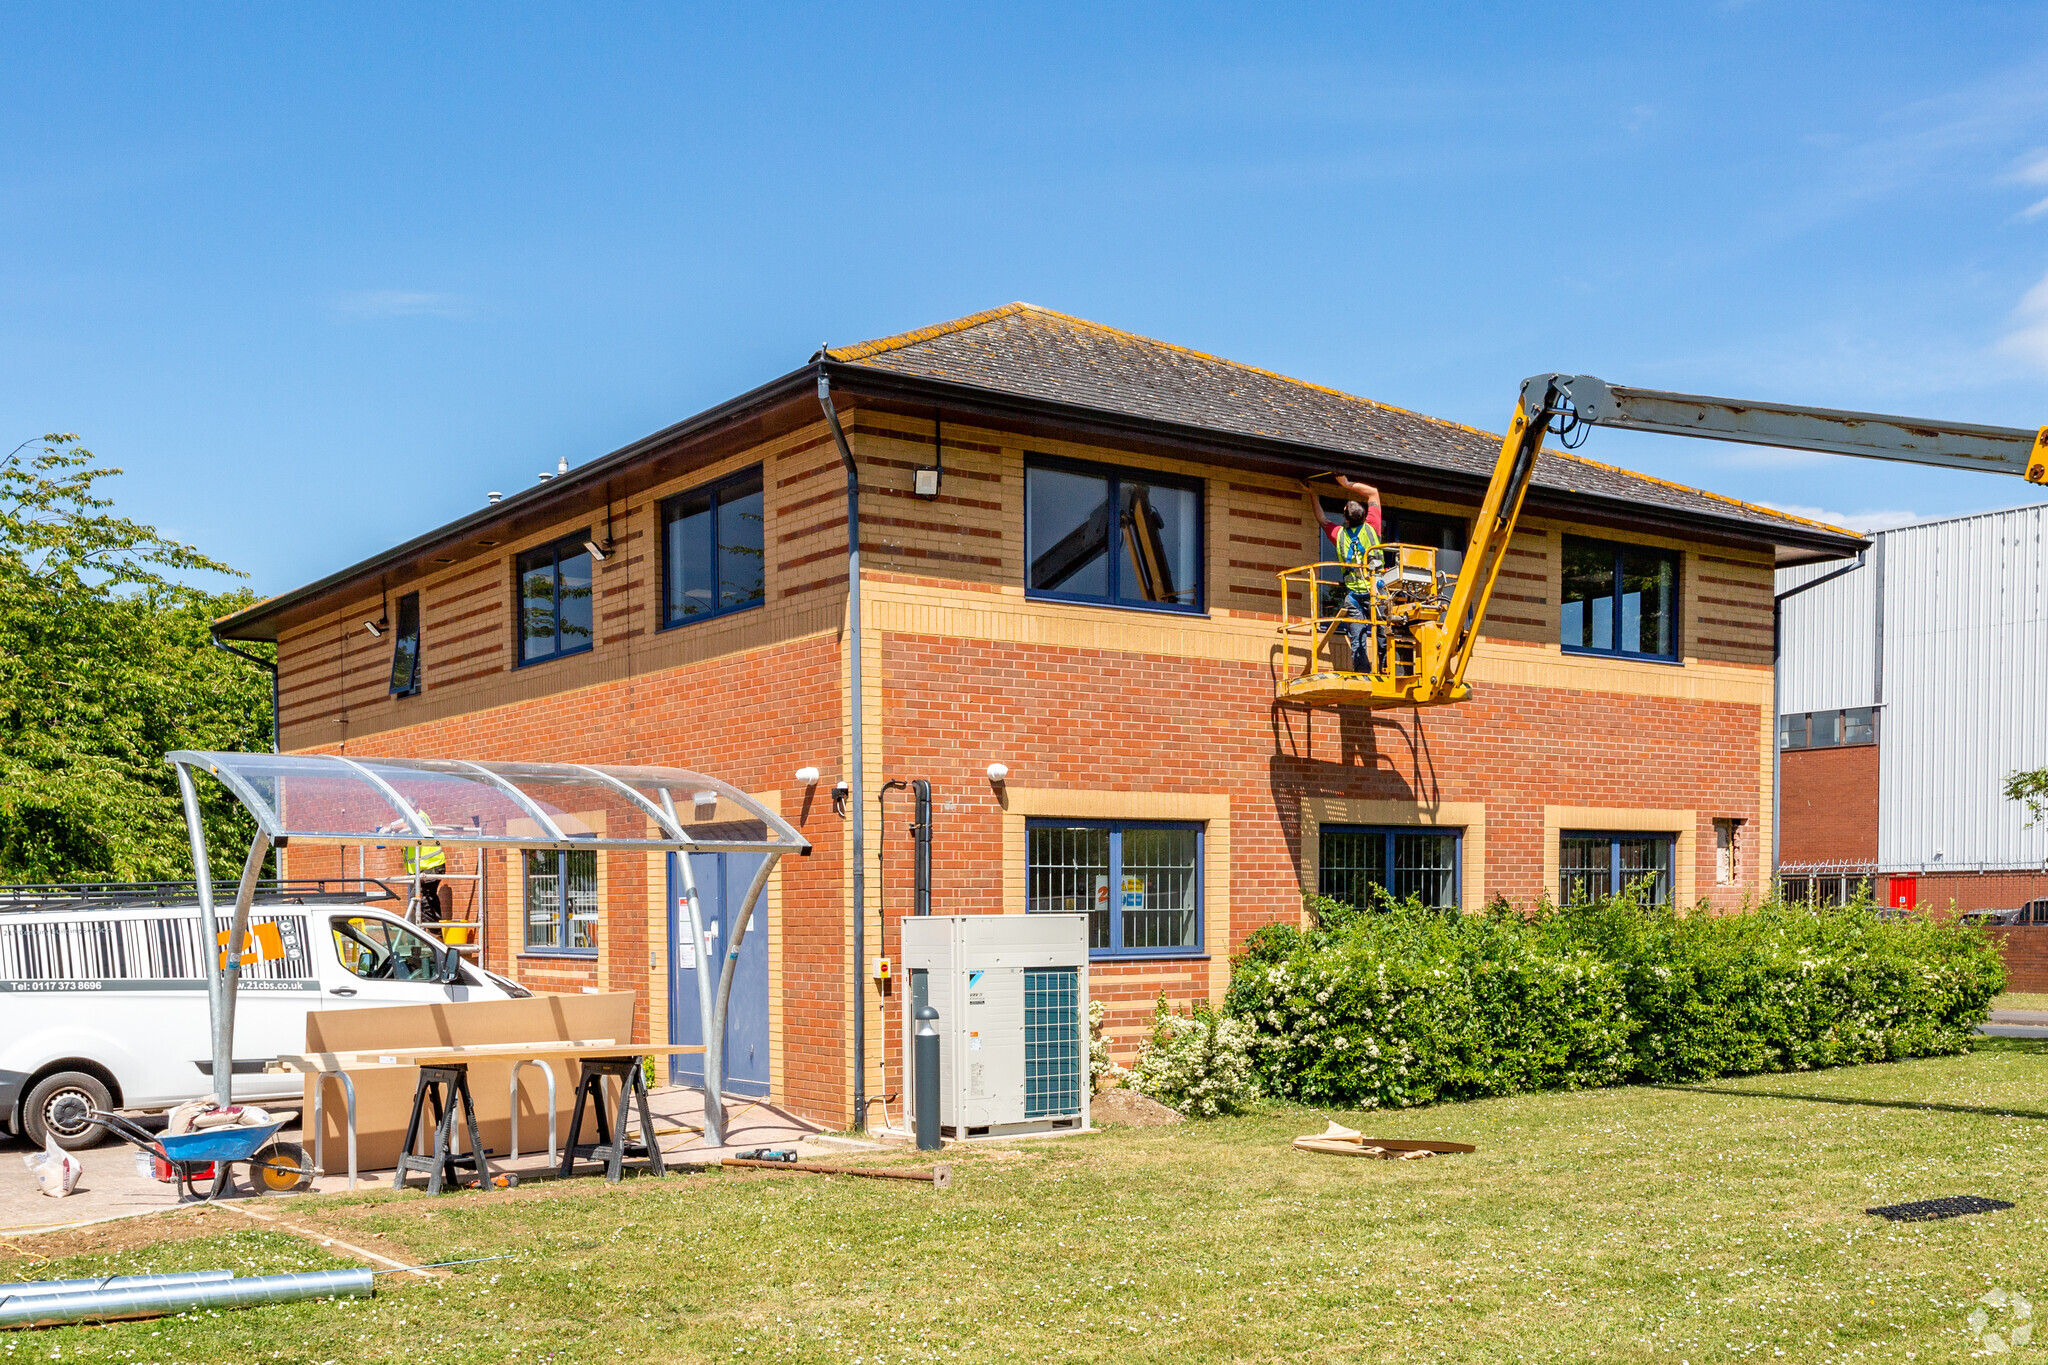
997,773
807,776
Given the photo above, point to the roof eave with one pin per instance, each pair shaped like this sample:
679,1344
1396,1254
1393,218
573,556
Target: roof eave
259,621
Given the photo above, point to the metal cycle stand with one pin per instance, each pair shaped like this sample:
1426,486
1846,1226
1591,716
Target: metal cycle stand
348,1095
441,1164
549,1072
610,1146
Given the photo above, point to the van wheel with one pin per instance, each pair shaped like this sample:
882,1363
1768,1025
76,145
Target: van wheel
56,1108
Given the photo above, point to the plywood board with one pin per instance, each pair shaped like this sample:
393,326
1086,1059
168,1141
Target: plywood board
384,1095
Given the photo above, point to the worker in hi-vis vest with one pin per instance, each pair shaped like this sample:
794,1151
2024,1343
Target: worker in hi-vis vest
422,861
1358,532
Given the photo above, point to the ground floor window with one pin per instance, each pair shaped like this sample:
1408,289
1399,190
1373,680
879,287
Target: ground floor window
1592,865
1355,861
561,901
1825,889
1139,882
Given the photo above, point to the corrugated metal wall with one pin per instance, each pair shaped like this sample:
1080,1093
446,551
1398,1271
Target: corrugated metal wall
1965,690
1956,654
1835,629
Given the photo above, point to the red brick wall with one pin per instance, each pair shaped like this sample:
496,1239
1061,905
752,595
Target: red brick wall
1965,891
1096,720
751,720
2026,956
1829,805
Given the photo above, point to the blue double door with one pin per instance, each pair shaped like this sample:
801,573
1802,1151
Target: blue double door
722,882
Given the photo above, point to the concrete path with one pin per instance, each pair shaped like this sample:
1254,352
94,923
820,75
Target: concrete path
112,1187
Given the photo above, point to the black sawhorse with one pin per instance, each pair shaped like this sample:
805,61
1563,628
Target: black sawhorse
449,1081
611,1145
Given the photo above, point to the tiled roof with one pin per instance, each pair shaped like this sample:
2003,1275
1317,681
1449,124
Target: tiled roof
1033,352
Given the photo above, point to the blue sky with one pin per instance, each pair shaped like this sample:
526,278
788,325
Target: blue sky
320,279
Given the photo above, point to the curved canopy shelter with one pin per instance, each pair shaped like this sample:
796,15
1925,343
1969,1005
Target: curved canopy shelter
333,799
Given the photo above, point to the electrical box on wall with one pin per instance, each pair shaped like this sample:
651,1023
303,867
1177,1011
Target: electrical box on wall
1012,997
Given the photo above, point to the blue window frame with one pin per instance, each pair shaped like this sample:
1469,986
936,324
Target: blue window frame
561,902
1592,864
554,607
1420,861
1138,881
713,550
1618,599
1117,537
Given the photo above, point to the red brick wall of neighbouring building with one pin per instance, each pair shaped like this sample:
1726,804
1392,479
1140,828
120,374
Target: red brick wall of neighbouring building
1829,805
1966,891
2026,956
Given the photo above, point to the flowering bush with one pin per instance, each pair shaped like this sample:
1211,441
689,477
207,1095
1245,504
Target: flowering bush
1199,1062
1102,1068
1408,1005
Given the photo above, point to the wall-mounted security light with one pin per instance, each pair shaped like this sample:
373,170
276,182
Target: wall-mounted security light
998,774
595,552
925,481
375,628
807,776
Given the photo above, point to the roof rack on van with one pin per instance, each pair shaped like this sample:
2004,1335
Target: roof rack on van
122,895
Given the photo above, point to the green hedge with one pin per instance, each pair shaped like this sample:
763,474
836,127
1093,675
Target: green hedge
1405,1005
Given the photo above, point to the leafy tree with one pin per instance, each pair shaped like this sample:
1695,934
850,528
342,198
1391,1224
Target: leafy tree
2032,788
106,664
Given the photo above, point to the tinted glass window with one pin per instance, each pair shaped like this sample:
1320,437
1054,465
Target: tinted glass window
1068,544
715,550
1162,544
1619,599
405,647
1445,535
1587,615
1113,536
555,608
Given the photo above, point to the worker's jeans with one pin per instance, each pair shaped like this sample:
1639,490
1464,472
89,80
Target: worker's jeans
1357,608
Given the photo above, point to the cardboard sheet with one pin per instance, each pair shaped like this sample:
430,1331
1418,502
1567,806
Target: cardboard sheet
384,1097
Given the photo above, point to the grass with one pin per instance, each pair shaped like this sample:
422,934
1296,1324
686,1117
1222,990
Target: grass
1704,1223
2020,1000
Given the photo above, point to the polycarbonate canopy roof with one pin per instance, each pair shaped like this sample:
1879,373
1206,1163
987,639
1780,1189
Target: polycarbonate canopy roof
329,798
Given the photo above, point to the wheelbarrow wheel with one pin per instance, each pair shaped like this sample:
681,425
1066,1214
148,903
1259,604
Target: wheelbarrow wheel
281,1168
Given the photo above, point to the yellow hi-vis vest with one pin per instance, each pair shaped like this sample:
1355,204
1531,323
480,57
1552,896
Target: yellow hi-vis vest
424,857
1351,548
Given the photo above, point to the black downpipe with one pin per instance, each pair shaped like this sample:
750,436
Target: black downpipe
221,644
921,902
856,807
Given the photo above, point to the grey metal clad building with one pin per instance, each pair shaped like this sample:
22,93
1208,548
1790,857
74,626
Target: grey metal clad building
1932,658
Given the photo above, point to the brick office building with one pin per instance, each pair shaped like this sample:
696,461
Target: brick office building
1010,615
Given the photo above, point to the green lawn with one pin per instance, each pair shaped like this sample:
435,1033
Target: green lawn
2020,1000
1708,1223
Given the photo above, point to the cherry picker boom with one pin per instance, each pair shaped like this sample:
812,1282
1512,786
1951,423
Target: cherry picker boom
1423,621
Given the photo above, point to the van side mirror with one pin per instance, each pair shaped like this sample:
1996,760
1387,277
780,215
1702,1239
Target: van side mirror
451,968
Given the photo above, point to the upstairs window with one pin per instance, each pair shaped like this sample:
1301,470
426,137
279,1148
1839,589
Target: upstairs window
1828,729
1121,537
1445,535
405,648
713,550
1619,599
554,600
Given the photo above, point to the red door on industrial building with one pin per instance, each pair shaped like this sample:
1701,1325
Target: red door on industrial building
1904,893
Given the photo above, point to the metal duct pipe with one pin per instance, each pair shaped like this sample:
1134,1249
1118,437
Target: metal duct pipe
116,1303
41,1288
921,881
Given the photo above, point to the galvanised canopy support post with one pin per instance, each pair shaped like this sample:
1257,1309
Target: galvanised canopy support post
231,969
693,909
714,1039
202,881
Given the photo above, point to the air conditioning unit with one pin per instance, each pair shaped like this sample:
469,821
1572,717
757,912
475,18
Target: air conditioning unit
1012,997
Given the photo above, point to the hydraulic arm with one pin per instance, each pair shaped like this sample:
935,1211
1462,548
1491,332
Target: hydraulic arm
1421,622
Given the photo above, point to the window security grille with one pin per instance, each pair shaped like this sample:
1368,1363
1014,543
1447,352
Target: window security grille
1052,1043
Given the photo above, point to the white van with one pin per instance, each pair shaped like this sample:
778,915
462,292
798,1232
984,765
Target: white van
102,997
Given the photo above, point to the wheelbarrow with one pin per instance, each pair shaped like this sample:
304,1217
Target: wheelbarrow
211,1153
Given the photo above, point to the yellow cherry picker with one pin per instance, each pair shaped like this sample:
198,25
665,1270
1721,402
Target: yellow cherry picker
1423,620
